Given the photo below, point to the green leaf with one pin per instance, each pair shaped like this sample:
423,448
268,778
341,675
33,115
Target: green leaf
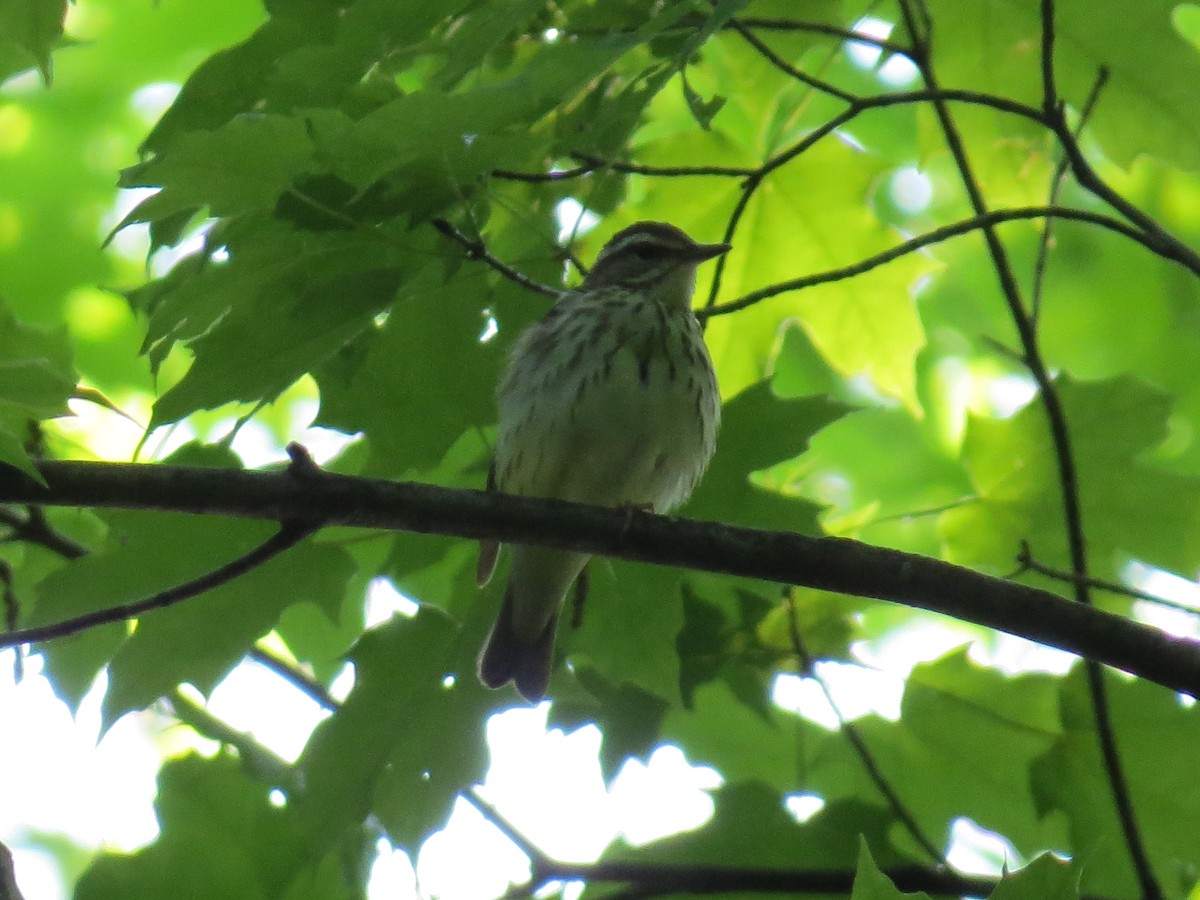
29,30
1156,736
722,732
632,615
871,884
750,828
1044,878
259,156
429,369
962,747
199,640
758,430
246,359
630,718
36,379
702,109
209,809
406,740
882,477
1113,425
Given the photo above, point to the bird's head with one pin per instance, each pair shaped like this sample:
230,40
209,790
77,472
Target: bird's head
652,258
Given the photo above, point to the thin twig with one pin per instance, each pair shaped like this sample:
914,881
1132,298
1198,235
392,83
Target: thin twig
33,528
1064,456
629,168
788,69
476,250
1026,563
856,740
258,758
1056,182
1167,245
537,858
543,177
287,537
936,236
296,676
845,34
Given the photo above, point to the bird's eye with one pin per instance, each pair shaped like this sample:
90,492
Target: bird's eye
647,252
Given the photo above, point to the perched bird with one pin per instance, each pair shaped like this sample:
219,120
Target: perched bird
609,399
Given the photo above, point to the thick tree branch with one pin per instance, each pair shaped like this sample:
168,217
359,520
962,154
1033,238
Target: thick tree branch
835,564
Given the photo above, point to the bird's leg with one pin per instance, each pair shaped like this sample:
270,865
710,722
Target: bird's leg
630,509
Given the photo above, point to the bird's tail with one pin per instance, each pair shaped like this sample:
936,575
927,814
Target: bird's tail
520,647
506,657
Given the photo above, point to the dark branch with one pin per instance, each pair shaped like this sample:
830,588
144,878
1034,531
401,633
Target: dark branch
1056,183
32,528
936,236
1060,436
543,177
845,34
834,564
858,743
288,536
1027,563
257,758
629,168
1050,101
476,250
788,69
298,678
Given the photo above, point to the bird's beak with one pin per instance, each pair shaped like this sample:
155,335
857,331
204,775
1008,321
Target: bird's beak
701,252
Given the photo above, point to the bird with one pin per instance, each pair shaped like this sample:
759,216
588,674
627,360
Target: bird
609,399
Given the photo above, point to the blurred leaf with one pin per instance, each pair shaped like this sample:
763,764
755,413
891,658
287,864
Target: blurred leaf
199,640
36,379
405,741
209,809
1113,424
1146,105
872,884
1045,877
1156,735
29,30
751,828
963,746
